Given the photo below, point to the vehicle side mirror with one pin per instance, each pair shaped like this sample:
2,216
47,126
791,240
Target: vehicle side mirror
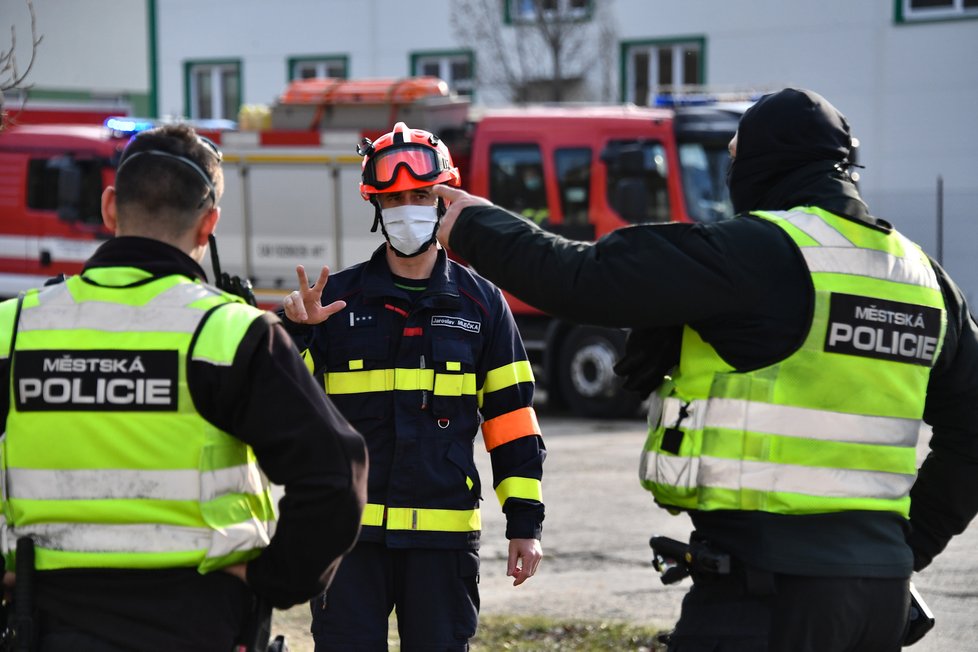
70,181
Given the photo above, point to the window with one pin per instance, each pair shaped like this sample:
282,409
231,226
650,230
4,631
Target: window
73,187
923,10
653,68
213,89
704,176
574,180
456,68
525,11
516,181
319,66
637,173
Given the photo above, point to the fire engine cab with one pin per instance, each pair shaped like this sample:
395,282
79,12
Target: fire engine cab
291,192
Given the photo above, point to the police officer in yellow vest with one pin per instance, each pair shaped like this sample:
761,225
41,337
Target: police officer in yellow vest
794,352
146,415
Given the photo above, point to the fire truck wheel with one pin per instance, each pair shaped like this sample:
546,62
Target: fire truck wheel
586,377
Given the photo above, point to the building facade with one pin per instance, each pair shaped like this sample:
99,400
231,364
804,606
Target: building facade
901,70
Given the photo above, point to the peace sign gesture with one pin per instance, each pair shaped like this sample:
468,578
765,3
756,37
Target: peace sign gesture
305,305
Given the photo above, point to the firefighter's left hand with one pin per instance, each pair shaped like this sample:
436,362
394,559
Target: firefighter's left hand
530,552
456,200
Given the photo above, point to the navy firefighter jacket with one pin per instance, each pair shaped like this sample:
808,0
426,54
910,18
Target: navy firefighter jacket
418,379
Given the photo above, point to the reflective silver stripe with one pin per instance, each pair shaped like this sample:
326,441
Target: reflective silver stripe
89,537
808,480
737,414
670,412
58,310
244,479
98,484
816,228
737,475
871,263
143,538
5,537
239,537
672,470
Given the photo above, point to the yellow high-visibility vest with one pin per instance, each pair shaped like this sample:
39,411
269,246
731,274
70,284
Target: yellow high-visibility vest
833,426
106,461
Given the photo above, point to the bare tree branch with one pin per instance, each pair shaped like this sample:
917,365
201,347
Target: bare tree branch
10,77
543,51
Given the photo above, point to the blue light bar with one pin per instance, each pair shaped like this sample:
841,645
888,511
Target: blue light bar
677,100
128,126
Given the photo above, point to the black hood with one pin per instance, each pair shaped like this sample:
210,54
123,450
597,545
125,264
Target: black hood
793,149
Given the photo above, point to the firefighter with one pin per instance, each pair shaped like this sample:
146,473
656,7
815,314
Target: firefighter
794,352
417,353
148,411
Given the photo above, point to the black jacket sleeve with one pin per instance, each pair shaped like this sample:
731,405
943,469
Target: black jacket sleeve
944,499
740,283
268,399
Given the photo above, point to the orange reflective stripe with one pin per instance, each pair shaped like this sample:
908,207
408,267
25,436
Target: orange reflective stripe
510,426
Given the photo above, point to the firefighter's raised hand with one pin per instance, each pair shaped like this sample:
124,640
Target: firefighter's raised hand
455,200
305,305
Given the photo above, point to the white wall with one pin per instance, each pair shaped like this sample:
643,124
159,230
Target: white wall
88,45
910,91
377,35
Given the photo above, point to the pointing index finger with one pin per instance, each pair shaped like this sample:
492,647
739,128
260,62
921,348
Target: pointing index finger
446,192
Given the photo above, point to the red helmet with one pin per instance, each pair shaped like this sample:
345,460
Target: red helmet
405,159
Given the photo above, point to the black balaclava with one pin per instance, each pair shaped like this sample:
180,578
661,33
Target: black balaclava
790,145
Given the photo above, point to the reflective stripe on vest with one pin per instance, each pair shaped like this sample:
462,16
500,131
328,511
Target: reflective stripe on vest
833,426
422,519
106,462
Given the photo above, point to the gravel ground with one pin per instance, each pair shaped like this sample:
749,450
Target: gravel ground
596,557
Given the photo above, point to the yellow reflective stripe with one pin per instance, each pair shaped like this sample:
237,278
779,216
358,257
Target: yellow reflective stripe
434,520
454,384
453,366
309,362
373,514
386,380
526,488
508,375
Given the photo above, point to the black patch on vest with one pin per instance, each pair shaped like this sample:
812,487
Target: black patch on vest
96,381
885,330
672,439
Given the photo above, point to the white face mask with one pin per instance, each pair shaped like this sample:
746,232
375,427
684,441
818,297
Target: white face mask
410,227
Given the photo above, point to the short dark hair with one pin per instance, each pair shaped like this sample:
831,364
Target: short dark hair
166,176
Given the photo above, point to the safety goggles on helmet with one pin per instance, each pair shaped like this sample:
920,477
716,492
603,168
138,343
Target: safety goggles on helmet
420,161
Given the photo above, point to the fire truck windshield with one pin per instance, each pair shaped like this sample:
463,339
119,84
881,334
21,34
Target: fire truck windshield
704,172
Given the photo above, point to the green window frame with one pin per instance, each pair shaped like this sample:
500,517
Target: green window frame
650,65
323,65
456,67
200,102
929,11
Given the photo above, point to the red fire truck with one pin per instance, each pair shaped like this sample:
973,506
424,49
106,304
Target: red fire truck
291,192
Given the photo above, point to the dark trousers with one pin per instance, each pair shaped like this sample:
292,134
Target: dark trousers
787,613
435,594
58,636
